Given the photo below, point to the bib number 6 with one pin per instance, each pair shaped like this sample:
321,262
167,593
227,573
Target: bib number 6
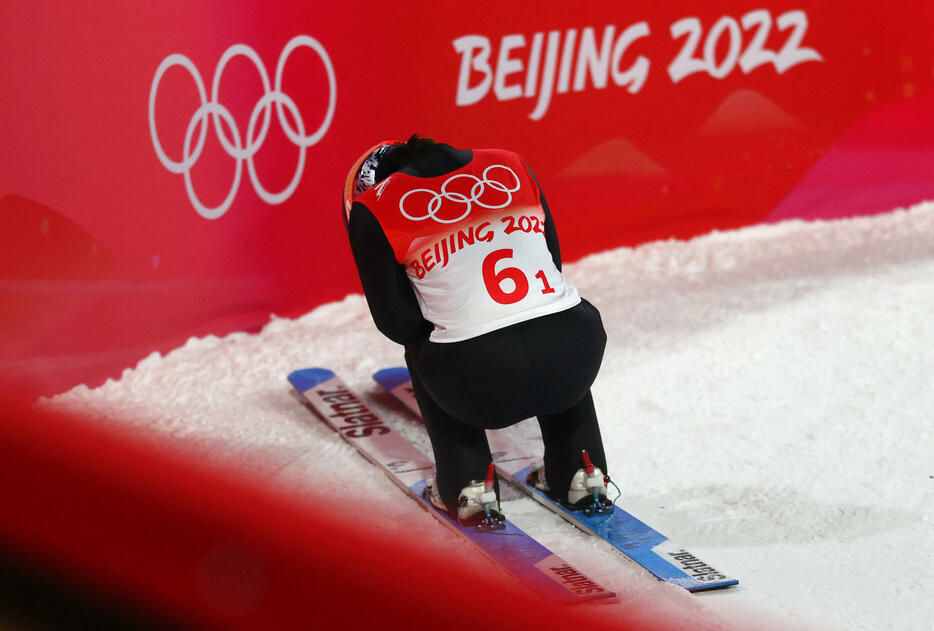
493,280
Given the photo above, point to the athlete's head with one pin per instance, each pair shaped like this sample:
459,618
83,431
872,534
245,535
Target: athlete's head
401,154
378,162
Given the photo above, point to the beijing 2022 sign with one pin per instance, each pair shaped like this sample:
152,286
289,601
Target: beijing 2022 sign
556,64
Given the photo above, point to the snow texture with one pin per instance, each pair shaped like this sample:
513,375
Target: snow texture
766,398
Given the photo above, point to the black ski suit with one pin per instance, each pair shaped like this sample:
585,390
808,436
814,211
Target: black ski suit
540,367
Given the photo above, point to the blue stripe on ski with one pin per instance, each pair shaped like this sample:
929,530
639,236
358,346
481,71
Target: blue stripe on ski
391,378
641,543
530,561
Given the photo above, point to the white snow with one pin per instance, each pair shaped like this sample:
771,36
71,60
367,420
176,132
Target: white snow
766,399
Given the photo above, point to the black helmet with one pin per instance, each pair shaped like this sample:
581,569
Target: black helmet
362,174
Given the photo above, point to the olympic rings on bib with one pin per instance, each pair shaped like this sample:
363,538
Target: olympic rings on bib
242,148
476,192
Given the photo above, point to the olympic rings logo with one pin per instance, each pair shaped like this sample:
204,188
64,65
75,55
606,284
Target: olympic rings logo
242,148
476,192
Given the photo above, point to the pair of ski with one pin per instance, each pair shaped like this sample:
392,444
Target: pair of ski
520,554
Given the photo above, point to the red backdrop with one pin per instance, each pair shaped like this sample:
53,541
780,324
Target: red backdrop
642,121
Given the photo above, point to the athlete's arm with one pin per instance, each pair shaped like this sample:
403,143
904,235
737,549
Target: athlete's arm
388,292
551,235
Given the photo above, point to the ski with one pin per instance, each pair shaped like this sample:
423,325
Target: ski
346,413
665,559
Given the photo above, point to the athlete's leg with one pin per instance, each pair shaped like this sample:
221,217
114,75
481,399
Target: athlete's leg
461,451
567,351
542,367
566,434
485,381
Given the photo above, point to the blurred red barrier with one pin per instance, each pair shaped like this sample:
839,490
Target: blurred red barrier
160,535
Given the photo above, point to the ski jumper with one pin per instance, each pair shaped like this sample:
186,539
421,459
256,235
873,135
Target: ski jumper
459,261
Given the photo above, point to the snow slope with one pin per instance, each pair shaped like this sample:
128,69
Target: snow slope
767,399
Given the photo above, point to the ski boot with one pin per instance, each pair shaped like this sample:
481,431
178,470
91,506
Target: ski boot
477,505
587,491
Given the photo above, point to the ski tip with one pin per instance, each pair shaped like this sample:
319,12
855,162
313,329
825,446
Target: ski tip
308,378
709,587
391,378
